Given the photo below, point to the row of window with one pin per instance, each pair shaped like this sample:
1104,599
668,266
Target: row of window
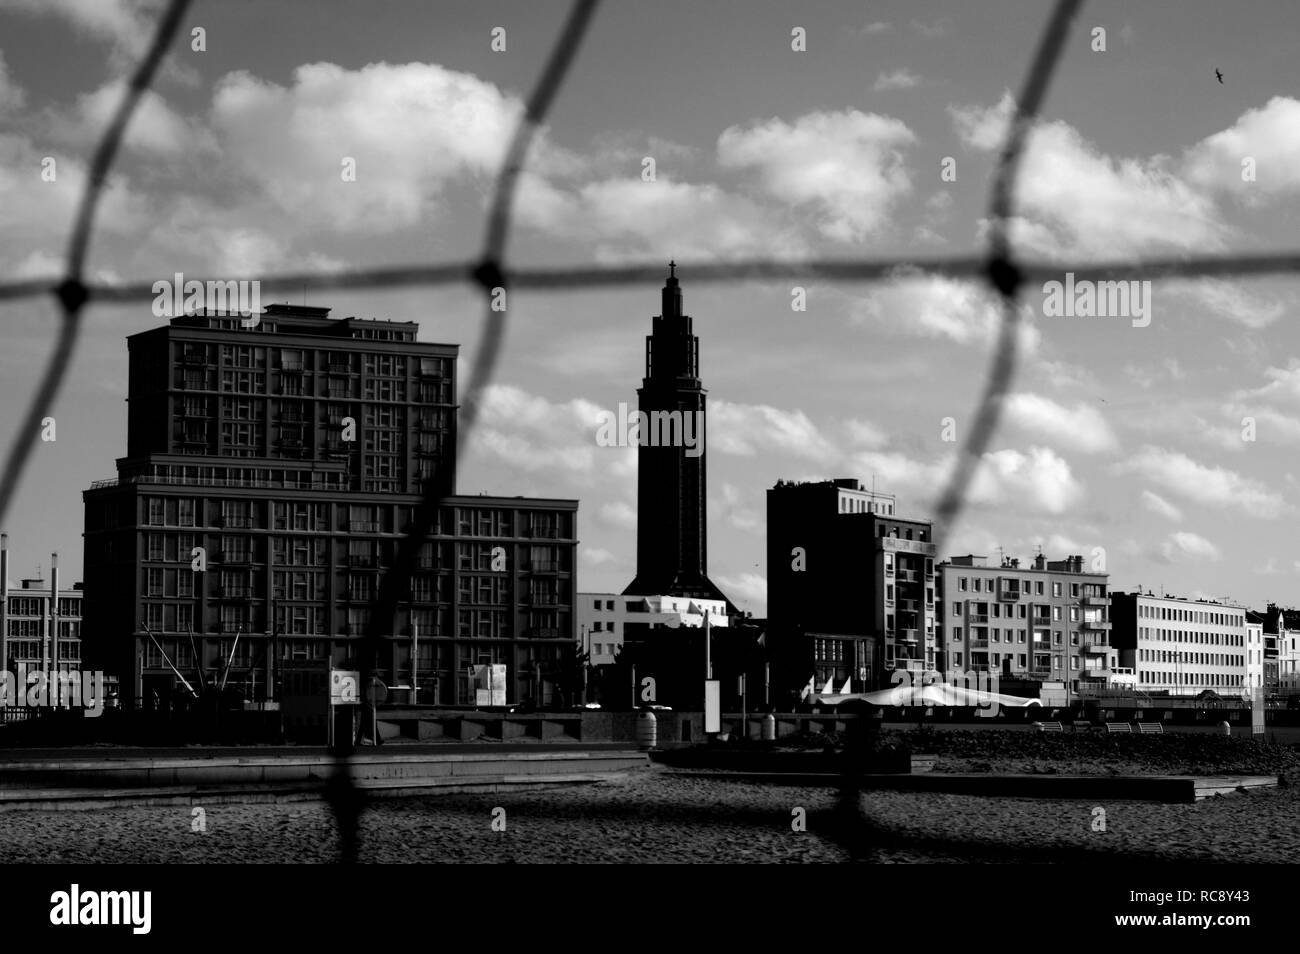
1012,636
37,606
27,650
1177,614
1021,611
34,628
1036,587
1182,636
1191,659
1163,677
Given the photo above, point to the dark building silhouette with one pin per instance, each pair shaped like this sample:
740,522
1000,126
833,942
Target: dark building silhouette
672,534
851,593
294,454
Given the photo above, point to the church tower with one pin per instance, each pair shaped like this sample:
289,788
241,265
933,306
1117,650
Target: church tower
672,538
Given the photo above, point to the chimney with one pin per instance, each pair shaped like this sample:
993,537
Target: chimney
54,626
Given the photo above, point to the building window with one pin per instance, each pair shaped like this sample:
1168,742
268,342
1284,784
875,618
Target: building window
1056,589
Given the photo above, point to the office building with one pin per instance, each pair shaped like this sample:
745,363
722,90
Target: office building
271,473
40,621
850,586
1181,646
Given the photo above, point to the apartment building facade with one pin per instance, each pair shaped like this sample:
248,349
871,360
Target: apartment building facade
1047,621
271,475
1182,646
851,585
40,621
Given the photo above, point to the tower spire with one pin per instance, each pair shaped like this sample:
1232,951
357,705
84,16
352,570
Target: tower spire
672,294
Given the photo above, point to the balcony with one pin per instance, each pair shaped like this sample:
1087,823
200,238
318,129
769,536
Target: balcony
906,635
905,576
236,522
977,619
236,557
1096,601
363,561
1009,595
1097,626
544,566
979,644
194,360
909,606
544,533
1094,647
1042,621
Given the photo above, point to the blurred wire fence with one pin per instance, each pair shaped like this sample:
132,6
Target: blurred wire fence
999,268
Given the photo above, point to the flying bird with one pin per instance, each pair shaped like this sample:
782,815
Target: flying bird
1218,76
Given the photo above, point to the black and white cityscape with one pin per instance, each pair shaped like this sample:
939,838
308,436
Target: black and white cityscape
650,434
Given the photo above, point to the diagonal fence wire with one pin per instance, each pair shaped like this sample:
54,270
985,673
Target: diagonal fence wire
998,268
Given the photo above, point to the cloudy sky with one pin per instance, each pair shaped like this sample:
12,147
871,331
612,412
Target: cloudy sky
1115,436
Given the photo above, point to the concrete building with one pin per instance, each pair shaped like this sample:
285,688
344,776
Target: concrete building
1254,650
271,473
40,622
605,620
851,591
1181,646
672,556
1046,622
1281,648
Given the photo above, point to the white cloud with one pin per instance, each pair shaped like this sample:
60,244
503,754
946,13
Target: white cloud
1270,135
534,434
745,588
1232,300
1159,505
628,218
1038,479
1079,428
155,128
745,429
849,165
865,434
1189,545
898,79
935,306
596,556
1073,200
411,128
1211,486
984,127
618,514
879,26
12,96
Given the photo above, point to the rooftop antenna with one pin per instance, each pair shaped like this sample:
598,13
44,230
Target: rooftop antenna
1002,556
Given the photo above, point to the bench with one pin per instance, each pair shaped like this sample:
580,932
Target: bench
1151,728
1049,726
1118,727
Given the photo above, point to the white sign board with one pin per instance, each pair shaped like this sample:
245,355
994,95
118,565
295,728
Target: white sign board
712,706
344,687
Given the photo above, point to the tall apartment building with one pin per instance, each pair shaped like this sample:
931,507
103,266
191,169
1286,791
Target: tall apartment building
1181,646
1047,621
270,475
850,586
40,622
